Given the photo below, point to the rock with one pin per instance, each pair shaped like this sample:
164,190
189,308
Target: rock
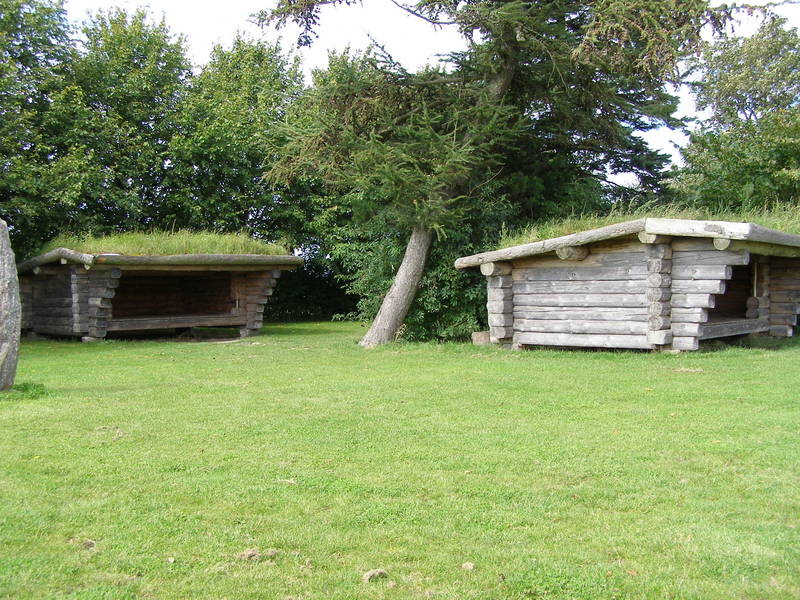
468,566
10,313
373,574
481,338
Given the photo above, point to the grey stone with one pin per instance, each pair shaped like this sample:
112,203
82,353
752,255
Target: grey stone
10,312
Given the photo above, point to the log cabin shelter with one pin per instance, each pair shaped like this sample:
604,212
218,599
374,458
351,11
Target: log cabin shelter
68,293
658,284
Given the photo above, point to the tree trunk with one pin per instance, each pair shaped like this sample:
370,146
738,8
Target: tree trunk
9,311
398,300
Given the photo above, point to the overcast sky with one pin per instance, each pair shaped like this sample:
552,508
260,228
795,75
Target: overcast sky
205,23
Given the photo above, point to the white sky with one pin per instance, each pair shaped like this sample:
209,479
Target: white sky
205,23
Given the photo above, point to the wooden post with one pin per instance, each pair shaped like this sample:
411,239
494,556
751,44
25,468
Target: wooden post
102,286
499,303
659,290
256,292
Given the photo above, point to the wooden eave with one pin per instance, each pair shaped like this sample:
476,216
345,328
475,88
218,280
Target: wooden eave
67,256
726,234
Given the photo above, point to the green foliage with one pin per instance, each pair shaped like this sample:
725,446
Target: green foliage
745,79
165,242
747,154
26,391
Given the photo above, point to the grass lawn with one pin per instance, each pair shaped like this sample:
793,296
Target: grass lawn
149,468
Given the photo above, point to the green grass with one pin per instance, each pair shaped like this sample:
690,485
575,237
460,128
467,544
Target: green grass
165,242
785,217
147,467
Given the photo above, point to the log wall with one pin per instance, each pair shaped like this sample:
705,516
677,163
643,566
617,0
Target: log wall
653,292
69,300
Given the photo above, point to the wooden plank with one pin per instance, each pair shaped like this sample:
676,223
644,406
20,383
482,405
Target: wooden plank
630,257
686,329
575,326
689,315
584,300
661,337
544,246
685,343
590,314
785,295
698,286
708,229
637,286
582,273
496,268
714,257
141,323
713,330
692,300
582,340
702,272
659,322
659,265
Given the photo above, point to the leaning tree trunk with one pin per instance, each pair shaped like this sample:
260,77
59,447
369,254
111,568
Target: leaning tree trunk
9,311
398,300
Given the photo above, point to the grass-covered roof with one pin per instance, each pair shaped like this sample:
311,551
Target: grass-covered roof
155,243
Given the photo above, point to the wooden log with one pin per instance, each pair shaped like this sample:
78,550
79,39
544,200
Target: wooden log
583,340
781,331
661,337
685,343
572,252
268,262
659,265
658,294
783,320
659,280
786,295
761,248
55,256
757,313
143,323
686,329
713,257
784,308
544,246
500,281
583,300
100,302
698,286
548,313
689,315
582,273
659,309
652,238
574,326
759,302
736,327
45,303
692,300
499,306
660,322
577,287
496,268
500,333
498,294
501,320
784,284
